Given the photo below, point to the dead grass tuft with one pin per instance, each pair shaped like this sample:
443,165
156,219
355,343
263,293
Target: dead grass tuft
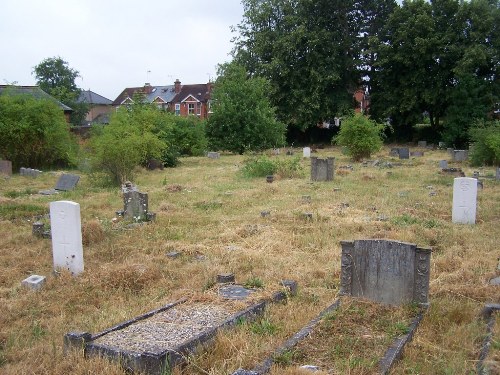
92,232
174,188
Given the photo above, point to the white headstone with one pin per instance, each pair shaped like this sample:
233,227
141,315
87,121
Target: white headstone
464,200
66,231
307,152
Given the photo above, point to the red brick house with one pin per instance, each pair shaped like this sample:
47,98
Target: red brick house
183,100
362,100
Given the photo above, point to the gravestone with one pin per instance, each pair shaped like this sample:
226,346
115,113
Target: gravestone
450,150
276,151
460,155
404,153
417,153
213,155
422,143
394,151
307,152
66,230
322,169
34,282
29,172
464,200
135,205
441,145
389,272
443,164
67,182
6,167
497,173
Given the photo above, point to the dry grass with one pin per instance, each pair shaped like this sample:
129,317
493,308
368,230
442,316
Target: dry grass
211,214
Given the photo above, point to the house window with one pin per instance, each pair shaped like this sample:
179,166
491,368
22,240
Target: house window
191,108
198,109
177,109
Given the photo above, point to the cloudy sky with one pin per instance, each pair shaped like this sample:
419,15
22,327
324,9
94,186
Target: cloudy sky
117,44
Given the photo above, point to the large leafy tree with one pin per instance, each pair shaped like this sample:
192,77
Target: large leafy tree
243,118
55,77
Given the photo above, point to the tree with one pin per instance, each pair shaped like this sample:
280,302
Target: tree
34,132
242,118
55,77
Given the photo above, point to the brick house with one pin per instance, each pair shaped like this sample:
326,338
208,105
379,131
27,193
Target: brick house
362,100
182,100
99,107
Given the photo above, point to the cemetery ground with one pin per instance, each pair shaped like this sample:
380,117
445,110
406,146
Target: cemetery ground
210,214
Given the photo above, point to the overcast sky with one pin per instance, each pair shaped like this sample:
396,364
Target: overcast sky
117,44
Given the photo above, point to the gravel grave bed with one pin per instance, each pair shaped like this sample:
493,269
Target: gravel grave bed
167,329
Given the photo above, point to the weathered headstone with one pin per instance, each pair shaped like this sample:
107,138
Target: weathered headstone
135,205
322,169
417,153
497,173
404,153
389,272
460,155
307,152
6,167
67,182
66,232
441,145
213,155
422,143
464,200
443,164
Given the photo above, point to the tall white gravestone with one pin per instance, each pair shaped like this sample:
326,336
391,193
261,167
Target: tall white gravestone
464,200
307,152
67,249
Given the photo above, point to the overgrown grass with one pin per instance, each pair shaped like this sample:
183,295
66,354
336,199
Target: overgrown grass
214,221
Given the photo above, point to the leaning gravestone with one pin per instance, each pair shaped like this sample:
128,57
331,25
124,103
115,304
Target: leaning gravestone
464,200
67,182
6,167
66,233
404,153
307,152
322,169
389,272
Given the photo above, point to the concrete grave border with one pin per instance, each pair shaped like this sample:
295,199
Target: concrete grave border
488,315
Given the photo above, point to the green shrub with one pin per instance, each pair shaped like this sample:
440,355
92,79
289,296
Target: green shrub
258,167
361,136
486,139
289,168
188,136
34,133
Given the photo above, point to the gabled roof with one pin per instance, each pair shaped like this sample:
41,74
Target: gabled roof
34,91
165,93
91,97
199,92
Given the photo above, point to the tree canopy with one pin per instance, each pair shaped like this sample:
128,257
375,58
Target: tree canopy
242,118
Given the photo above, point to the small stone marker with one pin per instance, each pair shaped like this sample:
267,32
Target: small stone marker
67,182
34,282
307,152
422,143
213,155
322,169
443,164
265,213
464,200
460,155
6,167
404,153
66,231
385,271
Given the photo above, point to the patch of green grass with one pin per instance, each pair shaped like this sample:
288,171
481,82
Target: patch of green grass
432,223
37,331
284,358
16,193
258,167
397,329
404,220
12,210
208,206
254,282
263,327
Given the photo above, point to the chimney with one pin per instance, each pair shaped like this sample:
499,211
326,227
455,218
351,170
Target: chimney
177,86
148,89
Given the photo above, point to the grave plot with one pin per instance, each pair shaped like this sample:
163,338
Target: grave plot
159,340
356,338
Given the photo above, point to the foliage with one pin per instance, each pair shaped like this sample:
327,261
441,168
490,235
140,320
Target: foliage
289,168
128,141
360,135
486,139
188,136
55,77
263,327
242,118
34,133
262,166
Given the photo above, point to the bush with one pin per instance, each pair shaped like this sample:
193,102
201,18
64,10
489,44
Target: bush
262,166
486,139
34,133
188,136
128,141
361,136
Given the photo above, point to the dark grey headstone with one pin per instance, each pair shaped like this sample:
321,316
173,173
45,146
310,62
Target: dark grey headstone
67,182
404,153
136,206
389,272
460,155
322,169
6,167
497,173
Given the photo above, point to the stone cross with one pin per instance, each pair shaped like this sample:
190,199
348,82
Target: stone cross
307,152
66,229
464,200
385,271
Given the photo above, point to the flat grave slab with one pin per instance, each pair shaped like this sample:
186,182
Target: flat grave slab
67,182
159,340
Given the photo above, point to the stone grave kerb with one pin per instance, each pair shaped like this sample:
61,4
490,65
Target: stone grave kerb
385,271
